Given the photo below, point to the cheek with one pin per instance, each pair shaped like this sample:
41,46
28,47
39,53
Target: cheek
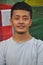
14,23
29,23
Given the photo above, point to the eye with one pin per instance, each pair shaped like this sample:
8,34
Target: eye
16,18
25,18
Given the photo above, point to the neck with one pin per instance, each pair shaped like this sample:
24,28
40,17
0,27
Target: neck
21,37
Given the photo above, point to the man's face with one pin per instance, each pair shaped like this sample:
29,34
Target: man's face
21,21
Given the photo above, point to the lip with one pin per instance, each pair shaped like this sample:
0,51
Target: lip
21,27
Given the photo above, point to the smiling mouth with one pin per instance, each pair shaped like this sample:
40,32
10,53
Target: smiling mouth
21,27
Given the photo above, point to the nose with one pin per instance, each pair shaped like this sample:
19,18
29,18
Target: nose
21,21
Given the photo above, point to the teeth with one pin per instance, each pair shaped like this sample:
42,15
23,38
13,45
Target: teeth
21,26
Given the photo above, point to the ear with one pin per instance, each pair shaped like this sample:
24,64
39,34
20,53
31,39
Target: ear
30,23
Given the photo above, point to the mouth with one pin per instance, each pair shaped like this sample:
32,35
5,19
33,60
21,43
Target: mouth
21,27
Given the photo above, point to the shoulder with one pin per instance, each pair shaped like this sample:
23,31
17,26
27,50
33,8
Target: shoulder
5,43
38,43
39,49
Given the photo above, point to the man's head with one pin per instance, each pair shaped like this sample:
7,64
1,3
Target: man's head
21,17
21,6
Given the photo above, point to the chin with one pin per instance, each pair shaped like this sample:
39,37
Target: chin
21,32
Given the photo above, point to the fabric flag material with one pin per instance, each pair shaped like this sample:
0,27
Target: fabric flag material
5,27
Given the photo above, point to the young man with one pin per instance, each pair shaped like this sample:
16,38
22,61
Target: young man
21,48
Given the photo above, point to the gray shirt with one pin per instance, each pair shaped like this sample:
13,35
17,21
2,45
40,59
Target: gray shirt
29,52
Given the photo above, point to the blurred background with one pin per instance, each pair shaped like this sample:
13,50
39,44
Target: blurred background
36,29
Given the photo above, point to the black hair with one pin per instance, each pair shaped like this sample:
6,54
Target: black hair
21,6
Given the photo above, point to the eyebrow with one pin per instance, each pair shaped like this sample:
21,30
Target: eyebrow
22,16
25,16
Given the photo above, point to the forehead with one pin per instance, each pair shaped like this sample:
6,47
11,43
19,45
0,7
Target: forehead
21,12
